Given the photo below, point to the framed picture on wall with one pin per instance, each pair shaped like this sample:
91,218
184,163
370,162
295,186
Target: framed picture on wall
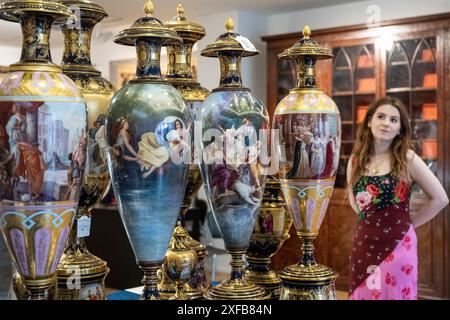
121,71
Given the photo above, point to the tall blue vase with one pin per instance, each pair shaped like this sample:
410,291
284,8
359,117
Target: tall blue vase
231,169
148,131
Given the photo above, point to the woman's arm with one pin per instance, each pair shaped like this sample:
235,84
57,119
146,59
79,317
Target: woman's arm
127,143
430,184
351,197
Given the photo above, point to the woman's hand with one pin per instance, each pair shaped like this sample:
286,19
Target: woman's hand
430,184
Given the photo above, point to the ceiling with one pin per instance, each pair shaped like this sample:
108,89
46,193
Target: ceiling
125,12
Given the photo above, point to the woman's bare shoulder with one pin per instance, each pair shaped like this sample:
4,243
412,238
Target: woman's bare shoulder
410,154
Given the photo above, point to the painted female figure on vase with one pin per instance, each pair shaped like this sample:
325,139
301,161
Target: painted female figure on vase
236,175
16,131
40,137
316,155
171,140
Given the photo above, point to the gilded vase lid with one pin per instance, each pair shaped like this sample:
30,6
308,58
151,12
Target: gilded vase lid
88,9
187,30
180,238
306,47
229,41
147,27
12,10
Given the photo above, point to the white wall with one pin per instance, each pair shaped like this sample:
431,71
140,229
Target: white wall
9,55
254,69
353,13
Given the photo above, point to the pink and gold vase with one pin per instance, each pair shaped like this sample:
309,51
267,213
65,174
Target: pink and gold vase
309,127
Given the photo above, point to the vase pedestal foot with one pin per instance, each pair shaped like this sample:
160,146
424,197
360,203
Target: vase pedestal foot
236,289
268,280
312,282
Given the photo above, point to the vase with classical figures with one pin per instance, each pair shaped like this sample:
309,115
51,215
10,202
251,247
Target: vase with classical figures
148,130
309,127
180,75
270,233
43,123
97,91
231,168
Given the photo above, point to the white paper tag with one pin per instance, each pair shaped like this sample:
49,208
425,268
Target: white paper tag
246,44
83,227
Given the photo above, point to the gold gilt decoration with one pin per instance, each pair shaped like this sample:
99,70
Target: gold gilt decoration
270,232
306,47
326,292
149,8
31,232
179,68
306,32
74,48
20,83
312,100
36,18
9,9
193,94
180,10
229,25
237,288
94,185
94,85
180,261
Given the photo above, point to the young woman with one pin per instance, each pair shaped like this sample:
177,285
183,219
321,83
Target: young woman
383,259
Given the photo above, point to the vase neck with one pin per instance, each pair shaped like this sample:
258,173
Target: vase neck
179,65
230,70
150,280
36,35
306,73
307,258
237,264
148,59
77,44
258,264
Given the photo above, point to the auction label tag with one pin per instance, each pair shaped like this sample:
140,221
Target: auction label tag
83,227
246,44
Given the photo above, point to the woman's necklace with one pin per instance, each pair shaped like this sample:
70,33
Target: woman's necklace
375,169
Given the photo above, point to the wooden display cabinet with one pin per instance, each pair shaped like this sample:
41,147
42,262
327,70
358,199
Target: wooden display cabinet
408,59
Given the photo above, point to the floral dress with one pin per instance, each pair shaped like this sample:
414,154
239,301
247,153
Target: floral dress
383,259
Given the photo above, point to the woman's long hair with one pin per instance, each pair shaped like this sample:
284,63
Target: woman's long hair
364,145
117,128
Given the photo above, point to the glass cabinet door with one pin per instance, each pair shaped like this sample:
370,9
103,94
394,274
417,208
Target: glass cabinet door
411,76
286,78
354,88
